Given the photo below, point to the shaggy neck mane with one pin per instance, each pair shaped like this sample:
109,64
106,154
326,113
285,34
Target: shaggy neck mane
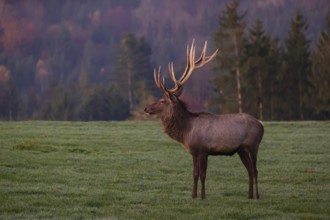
176,122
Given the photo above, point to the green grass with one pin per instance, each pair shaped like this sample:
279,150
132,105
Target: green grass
131,170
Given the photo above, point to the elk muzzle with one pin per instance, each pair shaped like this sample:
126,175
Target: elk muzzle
148,110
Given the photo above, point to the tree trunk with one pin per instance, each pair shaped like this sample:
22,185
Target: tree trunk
272,102
300,100
239,95
129,82
260,98
238,81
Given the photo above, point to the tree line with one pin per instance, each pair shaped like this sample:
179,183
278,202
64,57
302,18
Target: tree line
256,74
87,68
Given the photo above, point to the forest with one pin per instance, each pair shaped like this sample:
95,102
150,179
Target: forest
93,60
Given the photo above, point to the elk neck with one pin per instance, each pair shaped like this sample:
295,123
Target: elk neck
177,122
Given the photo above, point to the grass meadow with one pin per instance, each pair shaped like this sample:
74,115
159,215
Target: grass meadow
131,170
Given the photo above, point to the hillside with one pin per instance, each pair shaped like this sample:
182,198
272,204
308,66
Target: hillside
58,56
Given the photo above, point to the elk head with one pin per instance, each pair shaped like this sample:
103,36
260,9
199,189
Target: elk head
170,99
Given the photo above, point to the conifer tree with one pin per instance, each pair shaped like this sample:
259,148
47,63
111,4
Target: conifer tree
9,100
319,99
257,51
59,104
294,84
103,103
229,38
133,65
271,91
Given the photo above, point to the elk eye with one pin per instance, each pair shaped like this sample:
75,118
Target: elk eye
162,101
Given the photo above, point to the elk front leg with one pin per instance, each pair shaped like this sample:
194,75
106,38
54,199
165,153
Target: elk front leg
203,167
196,175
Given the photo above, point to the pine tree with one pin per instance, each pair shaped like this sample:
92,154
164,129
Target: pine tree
103,103
257,51
63,56
230,39
84,83
297,67
133,65
271,91
9,100
13,100
319,99
57,104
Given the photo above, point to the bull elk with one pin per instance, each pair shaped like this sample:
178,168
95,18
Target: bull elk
203,134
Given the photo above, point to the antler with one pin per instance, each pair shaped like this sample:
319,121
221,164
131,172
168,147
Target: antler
191,66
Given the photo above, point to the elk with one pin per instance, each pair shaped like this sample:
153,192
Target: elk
203,134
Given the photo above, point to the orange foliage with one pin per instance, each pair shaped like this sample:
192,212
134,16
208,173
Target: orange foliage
4,75
41,68
17,33
11,37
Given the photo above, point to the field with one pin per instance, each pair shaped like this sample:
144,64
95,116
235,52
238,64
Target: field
131,170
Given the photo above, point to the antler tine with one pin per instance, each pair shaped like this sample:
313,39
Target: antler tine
200,62
203,59
190,63
171,71
190,60
207,59
157,79
176,87
191,66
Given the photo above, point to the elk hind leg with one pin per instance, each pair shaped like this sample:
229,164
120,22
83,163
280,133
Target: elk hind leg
246,160
255,174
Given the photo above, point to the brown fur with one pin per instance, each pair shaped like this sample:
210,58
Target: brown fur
204,134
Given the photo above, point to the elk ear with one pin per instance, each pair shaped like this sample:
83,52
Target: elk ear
179,92
171,97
